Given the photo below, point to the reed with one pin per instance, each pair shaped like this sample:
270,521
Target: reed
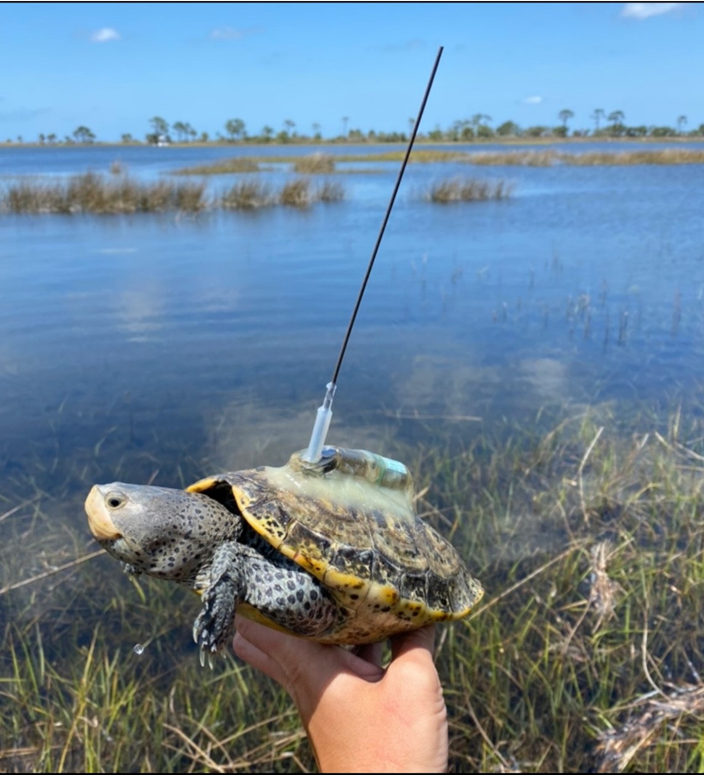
297,193
315,164
238,164
246,195
461,189
92,193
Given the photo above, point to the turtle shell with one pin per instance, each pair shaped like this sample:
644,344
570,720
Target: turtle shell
349,520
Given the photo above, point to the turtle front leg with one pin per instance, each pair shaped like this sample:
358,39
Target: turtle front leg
223,593
275,586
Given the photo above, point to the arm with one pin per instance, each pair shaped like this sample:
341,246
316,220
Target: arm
359,717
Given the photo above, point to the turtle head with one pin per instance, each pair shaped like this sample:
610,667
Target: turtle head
163,532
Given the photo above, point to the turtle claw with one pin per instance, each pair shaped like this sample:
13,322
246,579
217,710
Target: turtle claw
202,658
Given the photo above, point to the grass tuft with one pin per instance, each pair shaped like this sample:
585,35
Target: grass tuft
316,163
469,190
92,193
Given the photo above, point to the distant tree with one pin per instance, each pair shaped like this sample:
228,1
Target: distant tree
83,135
537,131
508,128
560,131
345,119
20,139
235,128
636,131
681,121
290,127
411,124
435,134
204,137
41,139
565,116
180,128
355,135
127,138
661,131
616,118
315,126
267,133
478,119
51,138
190,132
159,126
597,115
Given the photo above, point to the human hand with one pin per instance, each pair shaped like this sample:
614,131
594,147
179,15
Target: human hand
359,717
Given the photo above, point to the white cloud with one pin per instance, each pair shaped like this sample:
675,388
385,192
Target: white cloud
532,100
104,34
645,10
232,33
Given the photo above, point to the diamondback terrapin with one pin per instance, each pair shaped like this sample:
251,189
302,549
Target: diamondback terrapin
331,551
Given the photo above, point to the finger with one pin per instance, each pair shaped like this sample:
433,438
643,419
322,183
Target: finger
370,652
258,659
302,659
414,646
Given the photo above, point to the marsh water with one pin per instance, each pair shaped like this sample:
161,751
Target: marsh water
218,332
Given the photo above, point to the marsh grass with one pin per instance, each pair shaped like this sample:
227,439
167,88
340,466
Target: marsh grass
462,189
585,654
93,193
541,158
589,159
223,167
246,195
315,164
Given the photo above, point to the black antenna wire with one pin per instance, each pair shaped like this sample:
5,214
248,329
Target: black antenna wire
324,415
350,325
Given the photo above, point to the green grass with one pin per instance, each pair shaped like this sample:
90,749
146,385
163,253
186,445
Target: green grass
468,190
584,655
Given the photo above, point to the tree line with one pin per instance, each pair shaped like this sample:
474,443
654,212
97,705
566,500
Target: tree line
477,127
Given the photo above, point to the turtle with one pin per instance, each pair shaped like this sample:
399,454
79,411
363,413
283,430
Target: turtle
332,551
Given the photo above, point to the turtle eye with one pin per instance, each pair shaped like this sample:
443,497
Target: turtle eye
115,499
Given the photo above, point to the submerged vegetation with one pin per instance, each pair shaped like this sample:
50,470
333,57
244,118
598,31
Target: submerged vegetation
585,655
120,194
469,190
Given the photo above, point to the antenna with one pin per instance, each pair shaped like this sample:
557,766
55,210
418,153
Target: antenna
324,415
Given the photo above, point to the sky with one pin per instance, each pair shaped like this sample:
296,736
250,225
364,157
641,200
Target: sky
113,66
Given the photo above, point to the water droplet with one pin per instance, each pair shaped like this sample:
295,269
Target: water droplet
139,649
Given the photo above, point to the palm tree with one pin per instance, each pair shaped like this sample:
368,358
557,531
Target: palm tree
267,133
565,116
345,119
159,126
235,128
681,121
83,135
180,128
597,115
290,126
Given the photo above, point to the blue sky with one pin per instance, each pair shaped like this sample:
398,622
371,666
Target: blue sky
113,66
